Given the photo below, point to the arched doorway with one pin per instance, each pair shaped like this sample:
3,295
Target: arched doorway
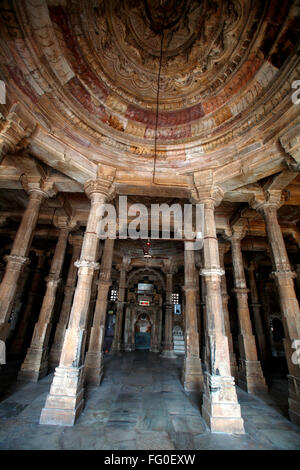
143,332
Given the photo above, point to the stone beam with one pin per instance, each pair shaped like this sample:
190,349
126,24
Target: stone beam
280,181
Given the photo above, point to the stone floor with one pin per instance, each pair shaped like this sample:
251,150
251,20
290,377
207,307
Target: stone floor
141,405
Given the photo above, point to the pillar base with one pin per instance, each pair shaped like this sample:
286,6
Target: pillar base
221,410
233,367
114,351
294,399
93,368
65,400
16,347
4,331
250,377
192,377
35,365
54,358
115,348
168,354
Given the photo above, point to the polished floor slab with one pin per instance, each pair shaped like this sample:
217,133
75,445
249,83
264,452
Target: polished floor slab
141,405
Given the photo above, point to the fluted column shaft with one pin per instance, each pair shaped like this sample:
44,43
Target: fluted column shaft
220,407
35,365
66,306
192,370
17,259
94,357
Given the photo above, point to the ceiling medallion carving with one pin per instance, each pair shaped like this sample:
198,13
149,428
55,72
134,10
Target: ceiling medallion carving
86,71
199,37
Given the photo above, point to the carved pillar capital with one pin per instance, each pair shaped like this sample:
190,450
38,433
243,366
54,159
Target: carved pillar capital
18,126
38,187
270,199
169,268
212,272
224,247
52,280
87,264
63,222
290,141
283,275
125,265
75,240
103,185
206,190
15,260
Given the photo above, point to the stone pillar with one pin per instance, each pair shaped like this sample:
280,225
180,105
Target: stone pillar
54,356
35,365
94,292
224,248
117,339
203,307
155,329
94,355
192,377
198,265
250,376
168,346
65,399
260,334
297,280
160,314
18,255
17,345
128,343
284,278
220,408
19,299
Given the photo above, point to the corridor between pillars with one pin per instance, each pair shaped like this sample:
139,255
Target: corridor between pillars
192,377
76,242
94,355
35,364
168,346
223,249
250,376
117,340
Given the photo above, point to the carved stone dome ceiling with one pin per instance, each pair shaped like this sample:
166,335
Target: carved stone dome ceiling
88,71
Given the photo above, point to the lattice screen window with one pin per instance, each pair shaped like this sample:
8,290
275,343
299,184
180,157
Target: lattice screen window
113,295
175,299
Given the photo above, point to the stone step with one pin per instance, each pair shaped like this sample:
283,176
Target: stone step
179,344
